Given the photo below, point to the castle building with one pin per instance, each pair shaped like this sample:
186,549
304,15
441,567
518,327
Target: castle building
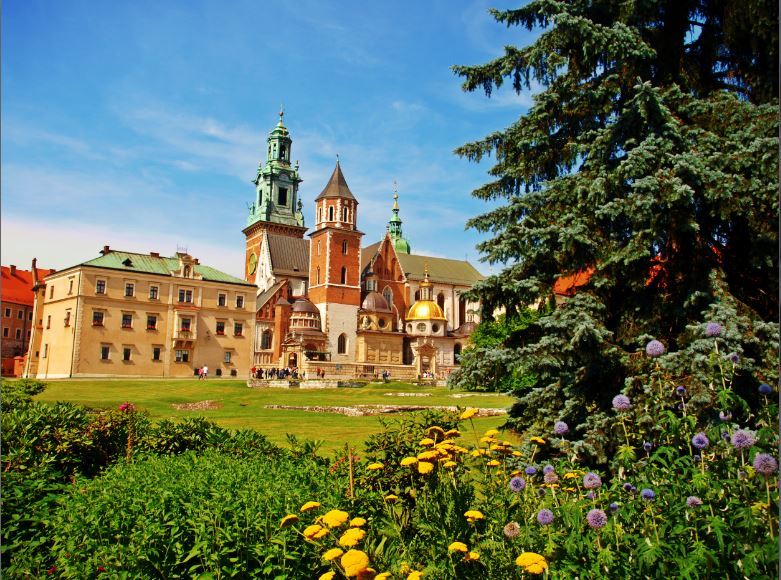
129,314
330,303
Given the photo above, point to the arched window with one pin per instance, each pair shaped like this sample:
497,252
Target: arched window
457,353
265,340
319,214
341,344
344,214
318,247
187,271
461,310
417,295
344,247
441,301
317,275
330,213
344,275
388,295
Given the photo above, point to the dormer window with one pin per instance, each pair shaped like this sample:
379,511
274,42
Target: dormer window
127,262
187,271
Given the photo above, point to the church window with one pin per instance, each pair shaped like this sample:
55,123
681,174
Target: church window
417,295
381,322
282,152
330,213
441,300
344,275
317,276
409,328
282,196
265,339
457,353
318,247
421,327
461,310
344,214
319,219
388,295
435,328
341,344
344,247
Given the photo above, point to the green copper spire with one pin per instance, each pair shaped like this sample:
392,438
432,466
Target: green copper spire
276,183
400,243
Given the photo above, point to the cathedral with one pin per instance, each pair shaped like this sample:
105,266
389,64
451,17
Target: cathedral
327,303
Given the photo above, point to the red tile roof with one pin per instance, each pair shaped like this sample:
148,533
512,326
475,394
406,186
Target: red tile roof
568,285
17,288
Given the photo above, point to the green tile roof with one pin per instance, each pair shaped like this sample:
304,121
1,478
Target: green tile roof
147,264
443,270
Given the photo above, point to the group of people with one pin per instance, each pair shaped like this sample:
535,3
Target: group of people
203,372
275,373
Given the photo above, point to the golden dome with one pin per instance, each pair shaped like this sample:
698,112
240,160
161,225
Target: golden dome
425,310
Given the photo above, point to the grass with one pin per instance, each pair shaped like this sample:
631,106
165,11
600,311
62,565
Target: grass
245,408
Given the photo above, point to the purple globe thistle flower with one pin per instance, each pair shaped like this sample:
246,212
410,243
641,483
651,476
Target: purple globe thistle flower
654,349
591,480
726,437
741,439
596,518
725,415
713,329
742,474
560,428
628,486
614,507
700,441
697,458
551,477
647,446
530,470
765,464
545,517
547,469
511,530
693,501
648,494
621,403
680,391
591,495
765,389
541,492
734,357
517,484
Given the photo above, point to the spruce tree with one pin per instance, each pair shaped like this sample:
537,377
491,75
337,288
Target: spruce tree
650,156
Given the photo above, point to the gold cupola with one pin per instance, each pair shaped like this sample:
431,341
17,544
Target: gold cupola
425,308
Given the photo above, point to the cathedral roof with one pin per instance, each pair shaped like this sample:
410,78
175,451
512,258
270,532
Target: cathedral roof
304,305
375,302
289,256
269,293
425,310
336,186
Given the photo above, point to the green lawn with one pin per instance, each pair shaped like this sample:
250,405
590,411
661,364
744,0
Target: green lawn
242,407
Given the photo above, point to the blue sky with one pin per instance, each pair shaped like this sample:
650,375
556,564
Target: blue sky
141,124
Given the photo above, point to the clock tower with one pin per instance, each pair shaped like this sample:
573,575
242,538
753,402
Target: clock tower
277,206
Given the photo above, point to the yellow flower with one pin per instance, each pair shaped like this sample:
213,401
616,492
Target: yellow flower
427,442
425,468
309,506
328,576
357,522
332,554
474,515
517,453
472,557
449,464
415,575
539,440
468,414
391,498
479,452
434,430
487,439
570,475
459,449
491,433
311,531
383,576
407,461
288,520
532,563
354,562
493,463
335,518
368,574
457,547
452,433
428,455
375,466
351,537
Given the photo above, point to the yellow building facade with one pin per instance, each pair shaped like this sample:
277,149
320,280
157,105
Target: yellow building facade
144,315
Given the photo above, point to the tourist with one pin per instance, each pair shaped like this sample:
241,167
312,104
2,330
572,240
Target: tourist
200,373
205,372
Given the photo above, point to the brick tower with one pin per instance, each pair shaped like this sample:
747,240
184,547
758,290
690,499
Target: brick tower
335,265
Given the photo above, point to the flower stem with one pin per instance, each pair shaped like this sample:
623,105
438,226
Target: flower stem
769,509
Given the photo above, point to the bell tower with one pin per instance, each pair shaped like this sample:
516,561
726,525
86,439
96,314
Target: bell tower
400,243
335,265
277,205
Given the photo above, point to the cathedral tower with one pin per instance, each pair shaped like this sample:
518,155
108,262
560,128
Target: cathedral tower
277,207
335,265
400,243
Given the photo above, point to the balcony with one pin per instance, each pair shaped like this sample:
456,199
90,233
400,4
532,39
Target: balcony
184,334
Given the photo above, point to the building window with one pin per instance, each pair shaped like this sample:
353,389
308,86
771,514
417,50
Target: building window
127,321
265,340
104,352
30,316
18,334
28,335
70,286
344,275
388,295
67,318
154,292
457,353
49,321
97,318
222,299
441,301
51,292
341,344
344,214
238,328
6,332
282,196
240,301
435,328
45,350
317,275
220,327
100,287
155,353
344,247
151,322
130,289
185,295
227,358
20,314
185,322
182,356
8,313
126,353
187,271
319,219
421,327
330,213
318,247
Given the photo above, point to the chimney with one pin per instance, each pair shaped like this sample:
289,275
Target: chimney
154,254
13,270
34,272
105,250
